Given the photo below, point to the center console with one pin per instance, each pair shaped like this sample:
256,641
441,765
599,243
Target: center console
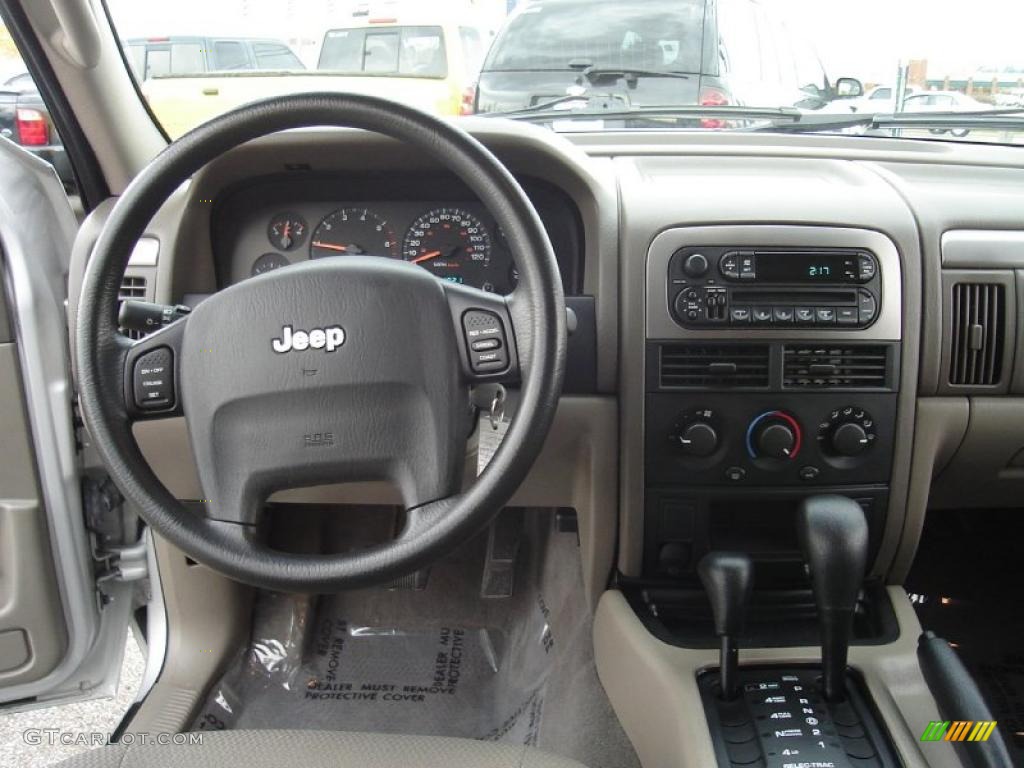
772,359
771,390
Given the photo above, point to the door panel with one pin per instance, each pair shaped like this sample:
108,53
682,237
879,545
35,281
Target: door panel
33,636
58,638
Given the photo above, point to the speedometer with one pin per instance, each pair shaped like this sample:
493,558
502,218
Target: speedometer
453,244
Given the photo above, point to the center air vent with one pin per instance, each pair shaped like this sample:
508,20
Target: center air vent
976,334
835,366
714,366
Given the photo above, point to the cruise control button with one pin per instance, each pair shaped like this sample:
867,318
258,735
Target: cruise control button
153,380
483,344
825,315
485,337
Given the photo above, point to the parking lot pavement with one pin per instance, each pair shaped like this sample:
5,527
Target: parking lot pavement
79,720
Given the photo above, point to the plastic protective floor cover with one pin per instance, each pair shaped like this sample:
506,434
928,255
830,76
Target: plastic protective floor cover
440,661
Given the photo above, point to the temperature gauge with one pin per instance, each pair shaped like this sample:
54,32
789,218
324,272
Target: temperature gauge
287,231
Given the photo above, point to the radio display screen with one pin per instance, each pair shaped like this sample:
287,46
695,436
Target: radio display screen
806,268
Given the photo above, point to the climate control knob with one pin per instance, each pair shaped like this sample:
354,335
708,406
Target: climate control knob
848,431
774,435
849,439
698,439
695,433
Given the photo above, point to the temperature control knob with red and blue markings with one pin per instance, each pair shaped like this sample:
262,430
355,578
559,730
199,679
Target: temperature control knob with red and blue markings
774,435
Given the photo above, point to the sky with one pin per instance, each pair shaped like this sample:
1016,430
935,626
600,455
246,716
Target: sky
855,38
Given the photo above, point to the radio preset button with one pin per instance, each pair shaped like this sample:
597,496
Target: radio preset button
762,314
804,314
782,314
740,314
847,316
825,314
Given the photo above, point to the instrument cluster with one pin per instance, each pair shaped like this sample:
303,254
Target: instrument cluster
458,242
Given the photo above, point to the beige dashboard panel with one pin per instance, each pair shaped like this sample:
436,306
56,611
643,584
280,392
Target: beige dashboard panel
577,468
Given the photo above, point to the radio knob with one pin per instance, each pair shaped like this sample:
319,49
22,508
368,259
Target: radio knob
696,265
698,439
849,439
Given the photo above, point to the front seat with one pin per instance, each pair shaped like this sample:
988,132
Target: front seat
315,749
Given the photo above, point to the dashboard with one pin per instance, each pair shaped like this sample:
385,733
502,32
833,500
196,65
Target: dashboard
847,348
429,220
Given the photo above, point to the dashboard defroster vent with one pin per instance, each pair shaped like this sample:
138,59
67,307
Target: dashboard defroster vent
978,324
835,366
714,366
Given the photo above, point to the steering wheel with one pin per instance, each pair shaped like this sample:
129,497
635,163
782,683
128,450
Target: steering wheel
334,370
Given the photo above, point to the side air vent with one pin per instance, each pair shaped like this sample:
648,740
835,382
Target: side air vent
714,366
835,366
132,287
977,334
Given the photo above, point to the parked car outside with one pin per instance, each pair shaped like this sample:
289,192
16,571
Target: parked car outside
189,79
433,64
25,120
880,99
657,53
944,101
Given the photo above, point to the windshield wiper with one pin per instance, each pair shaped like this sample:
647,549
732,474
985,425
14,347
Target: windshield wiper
629,74
548,110
1005,119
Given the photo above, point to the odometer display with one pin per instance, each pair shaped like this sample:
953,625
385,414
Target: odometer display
453,244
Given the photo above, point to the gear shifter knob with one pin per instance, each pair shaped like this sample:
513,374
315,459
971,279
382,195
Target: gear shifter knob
834,538
728,578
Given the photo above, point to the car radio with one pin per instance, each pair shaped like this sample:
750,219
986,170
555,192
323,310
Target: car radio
774,287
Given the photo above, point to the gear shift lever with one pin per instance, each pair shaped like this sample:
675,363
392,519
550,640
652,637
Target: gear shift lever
728,578
834,539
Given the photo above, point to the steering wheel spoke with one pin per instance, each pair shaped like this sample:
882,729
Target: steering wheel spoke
484,333
152,379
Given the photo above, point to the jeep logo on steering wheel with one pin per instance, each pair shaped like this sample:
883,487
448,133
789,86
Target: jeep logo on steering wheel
328,339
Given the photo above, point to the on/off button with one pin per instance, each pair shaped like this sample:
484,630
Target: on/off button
153,380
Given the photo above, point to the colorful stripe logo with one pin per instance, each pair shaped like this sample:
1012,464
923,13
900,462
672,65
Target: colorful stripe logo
958,730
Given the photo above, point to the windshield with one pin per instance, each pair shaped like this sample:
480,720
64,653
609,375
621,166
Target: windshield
915,69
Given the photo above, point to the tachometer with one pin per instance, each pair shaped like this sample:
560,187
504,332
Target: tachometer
453,244
353,232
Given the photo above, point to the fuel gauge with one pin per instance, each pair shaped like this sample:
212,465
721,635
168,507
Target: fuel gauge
287,231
